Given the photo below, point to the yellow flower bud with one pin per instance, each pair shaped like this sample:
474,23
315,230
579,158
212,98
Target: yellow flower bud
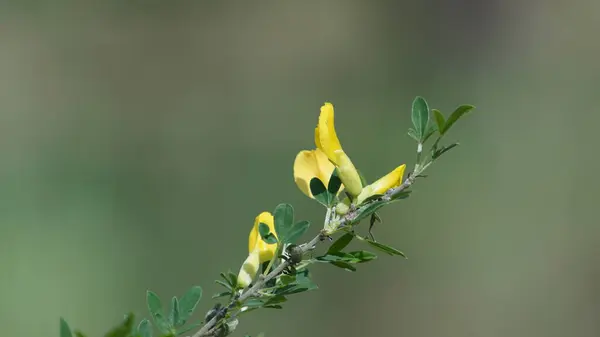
259,251
327,141
390,180
248,270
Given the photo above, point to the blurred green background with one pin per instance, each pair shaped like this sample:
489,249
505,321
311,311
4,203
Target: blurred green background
139,139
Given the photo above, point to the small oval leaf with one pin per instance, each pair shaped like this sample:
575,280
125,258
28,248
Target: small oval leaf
420,117
340,243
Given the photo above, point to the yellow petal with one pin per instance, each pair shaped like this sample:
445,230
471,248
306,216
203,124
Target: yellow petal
390,180
249,269
318,139
348,173
325,136
311,164
266,251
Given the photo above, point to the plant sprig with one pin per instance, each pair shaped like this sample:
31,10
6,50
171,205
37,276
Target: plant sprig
286,273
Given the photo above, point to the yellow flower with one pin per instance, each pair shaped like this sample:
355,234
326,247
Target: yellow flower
311,164
327,141
390,180
259,251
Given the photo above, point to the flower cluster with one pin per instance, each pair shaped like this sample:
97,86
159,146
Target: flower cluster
327,159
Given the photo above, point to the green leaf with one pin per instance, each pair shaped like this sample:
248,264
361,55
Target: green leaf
254,303
226,278
297,231
319,192
275,306
420,117
65,330
174,314
343,264
188,303
367,210
287,279
351,257
81,334
232,279
265,233
302,283
440,121
224,284
412,134
334,257
340,243
156,311
385,248
443,150
123,329
223,294
276,300
334,183
456,115
145,328
284,218
401,195
363,256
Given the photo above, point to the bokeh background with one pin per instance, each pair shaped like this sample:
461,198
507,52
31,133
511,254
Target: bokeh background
139,139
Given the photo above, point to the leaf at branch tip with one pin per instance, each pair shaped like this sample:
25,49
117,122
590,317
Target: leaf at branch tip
340,243
297,231
334,183
443,150
440,121
174,314
265,233
456,115
156,311
385,248
65,330
284,219
145,328
420,117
